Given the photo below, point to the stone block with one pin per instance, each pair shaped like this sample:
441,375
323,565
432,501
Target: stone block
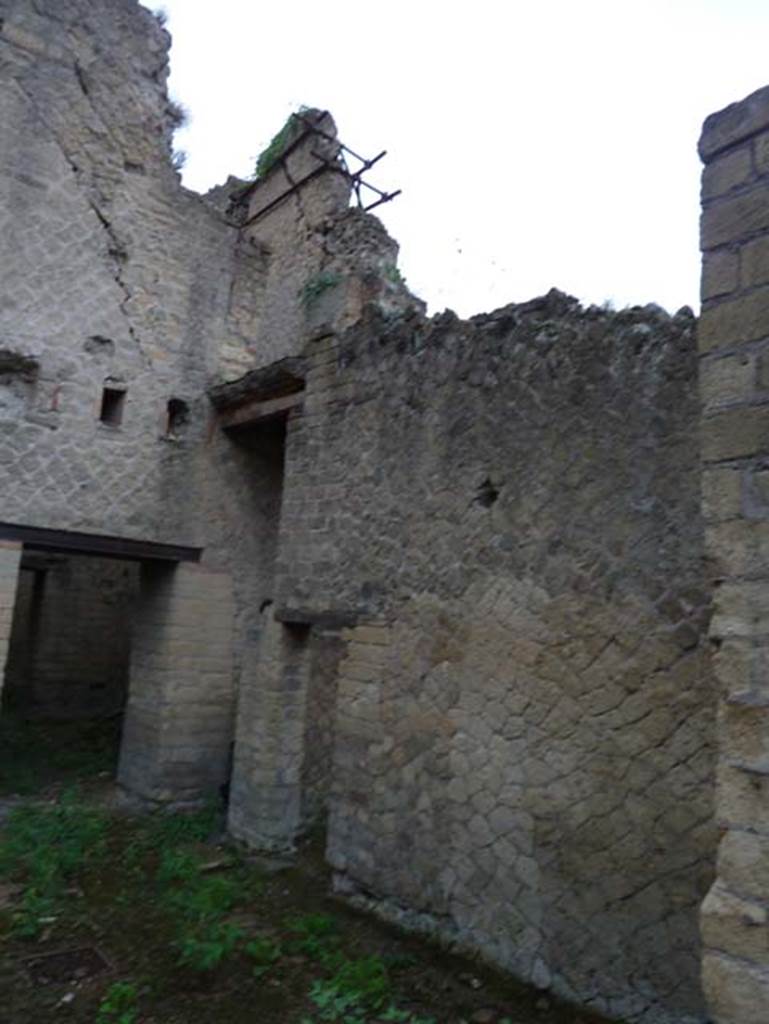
733,321
744,720
736,992
755,492
743,863
721,493
734,219
754,262
742,798
734,925
739,548
741,610
727,172
728,379
735,434
720,273
742,665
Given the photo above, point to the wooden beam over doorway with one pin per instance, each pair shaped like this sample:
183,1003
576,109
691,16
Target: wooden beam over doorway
37,538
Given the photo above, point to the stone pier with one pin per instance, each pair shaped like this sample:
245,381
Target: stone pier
10,557
178,725
266,795
734,376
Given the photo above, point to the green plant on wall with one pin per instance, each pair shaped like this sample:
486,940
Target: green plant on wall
270,155
318,284
393,274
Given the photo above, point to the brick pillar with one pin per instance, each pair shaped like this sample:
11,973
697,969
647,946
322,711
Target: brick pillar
179,716
10,557
734,380
266,792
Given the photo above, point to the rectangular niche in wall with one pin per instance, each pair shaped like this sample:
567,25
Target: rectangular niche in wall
112,404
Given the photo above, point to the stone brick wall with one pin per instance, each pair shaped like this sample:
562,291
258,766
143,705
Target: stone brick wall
179,718
110,274
734,350
70,642
509,508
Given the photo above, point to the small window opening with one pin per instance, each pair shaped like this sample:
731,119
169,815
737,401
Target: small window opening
177,418
486,494
112,405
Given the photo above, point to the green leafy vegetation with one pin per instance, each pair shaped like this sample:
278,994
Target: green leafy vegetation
207,943
317,285
393,274
118,1005
264,952
355,986
272,152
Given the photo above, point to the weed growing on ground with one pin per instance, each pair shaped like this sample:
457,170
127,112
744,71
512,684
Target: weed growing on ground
33,913
203,897
356,988
316,936
118,1006
264,952
207,944
177,865
164,829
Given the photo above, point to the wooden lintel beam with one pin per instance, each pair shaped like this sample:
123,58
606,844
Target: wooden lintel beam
37,538
259,409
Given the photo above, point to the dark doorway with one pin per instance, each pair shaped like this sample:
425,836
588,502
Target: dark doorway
66,677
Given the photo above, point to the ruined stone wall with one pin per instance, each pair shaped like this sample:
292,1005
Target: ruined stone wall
110,273
508,508
114,276
70,643
734,378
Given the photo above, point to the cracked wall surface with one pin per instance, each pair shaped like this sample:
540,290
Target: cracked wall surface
111,272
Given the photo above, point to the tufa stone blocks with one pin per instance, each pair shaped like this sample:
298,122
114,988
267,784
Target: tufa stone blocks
736,960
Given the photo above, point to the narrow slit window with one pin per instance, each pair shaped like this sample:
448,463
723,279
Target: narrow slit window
112,405
178,413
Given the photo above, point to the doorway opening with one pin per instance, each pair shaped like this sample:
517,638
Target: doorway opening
66,677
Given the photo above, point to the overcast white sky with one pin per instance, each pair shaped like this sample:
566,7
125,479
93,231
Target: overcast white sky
538,143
